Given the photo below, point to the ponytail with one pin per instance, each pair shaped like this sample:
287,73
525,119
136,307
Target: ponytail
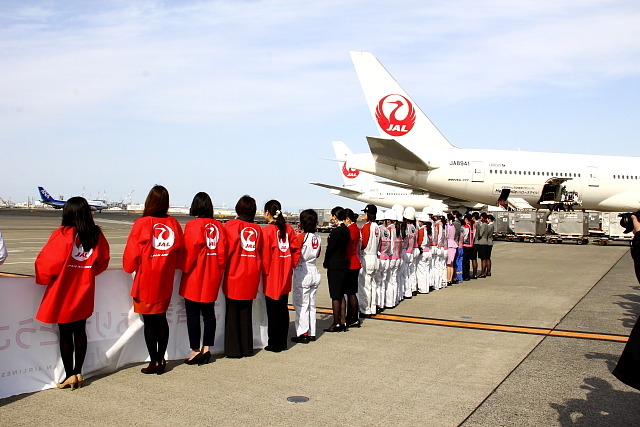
275,210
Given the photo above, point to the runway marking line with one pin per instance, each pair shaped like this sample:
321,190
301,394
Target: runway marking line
490,326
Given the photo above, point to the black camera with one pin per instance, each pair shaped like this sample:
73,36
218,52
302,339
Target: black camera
626,222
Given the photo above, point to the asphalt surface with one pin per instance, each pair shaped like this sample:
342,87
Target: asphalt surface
579,301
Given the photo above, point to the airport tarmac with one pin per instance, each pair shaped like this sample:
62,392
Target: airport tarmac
532,345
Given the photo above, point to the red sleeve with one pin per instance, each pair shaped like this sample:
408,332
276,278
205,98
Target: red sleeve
265,250
420,236
52,257
193,244
134,247
102,262
294,245
223,247
365,235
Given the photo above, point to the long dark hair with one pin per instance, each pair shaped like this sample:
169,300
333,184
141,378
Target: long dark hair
275,210
157,203
309,220
201,206
77,213
246,208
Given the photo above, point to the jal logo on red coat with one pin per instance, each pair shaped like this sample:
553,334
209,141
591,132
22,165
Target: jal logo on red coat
315,243
248,238
163,237
77,252
395,115
349,172
212,235
283,245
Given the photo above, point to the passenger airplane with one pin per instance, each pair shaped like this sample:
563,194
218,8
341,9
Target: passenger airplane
411,150
95,205
364,188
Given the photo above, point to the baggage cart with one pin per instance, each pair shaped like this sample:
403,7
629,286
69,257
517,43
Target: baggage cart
504,225
612,231
530,225
568,226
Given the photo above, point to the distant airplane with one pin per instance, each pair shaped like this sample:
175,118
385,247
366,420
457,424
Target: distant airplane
95,205
411,150
364,188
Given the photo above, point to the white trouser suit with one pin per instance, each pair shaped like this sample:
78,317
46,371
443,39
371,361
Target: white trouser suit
306,279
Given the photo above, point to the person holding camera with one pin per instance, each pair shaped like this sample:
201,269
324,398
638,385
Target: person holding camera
628,368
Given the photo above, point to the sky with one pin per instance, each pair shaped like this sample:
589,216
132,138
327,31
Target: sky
245,97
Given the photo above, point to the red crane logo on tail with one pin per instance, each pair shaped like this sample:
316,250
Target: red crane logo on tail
349,172
391,124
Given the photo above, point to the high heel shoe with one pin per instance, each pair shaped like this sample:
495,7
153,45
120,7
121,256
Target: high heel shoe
79,380
69,382
204,359
195,360
334,328
162,365
151,369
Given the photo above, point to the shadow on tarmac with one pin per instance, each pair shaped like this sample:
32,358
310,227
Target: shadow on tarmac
632,307
603,405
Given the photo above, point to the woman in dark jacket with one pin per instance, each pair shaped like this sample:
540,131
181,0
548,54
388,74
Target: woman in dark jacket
337,264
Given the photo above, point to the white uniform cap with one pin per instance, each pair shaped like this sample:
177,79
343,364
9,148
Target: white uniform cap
409,213
427,211
398,209
389,214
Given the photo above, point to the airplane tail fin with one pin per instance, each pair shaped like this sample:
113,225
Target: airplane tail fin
44,195
396,115
353,178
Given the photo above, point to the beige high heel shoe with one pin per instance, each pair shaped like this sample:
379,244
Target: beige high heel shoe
79,380
69,382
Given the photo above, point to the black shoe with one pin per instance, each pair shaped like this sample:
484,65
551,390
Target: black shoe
334,328
488,274
474,277
206,357
482,276
197,360
414,293
302,339
312,337
364,315
273,350
354,324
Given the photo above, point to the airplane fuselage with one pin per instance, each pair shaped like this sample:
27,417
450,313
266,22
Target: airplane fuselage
604,183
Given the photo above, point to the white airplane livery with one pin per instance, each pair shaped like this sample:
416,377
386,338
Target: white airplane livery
412,151
363,187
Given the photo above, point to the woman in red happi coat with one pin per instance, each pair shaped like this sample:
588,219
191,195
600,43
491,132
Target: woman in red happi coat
153,252
68,264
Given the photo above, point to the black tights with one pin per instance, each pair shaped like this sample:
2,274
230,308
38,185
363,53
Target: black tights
73,337
156,335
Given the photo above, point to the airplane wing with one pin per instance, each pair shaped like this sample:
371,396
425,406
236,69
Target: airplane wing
335,187
392,153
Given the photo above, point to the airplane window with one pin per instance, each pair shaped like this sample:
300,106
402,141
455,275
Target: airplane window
519,172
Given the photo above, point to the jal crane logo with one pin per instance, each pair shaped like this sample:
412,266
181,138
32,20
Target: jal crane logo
163,237
212,235
349,172
283,245
315,244
77,252
248,237
390,123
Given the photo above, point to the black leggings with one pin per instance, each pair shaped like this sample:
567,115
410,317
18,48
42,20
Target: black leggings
156,335
73,337
193,323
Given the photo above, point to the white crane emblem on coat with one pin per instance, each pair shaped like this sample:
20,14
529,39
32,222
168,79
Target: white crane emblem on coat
77,252
212,235
314,242
248,237
163,237
283,245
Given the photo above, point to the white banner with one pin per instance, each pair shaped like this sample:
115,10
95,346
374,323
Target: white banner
29,349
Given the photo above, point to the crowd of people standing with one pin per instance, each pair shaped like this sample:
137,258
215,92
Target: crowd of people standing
369,269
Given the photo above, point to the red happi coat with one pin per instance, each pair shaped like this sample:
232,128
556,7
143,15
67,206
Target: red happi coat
278,260
153,251
69,274
205,258
353,248
242,278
